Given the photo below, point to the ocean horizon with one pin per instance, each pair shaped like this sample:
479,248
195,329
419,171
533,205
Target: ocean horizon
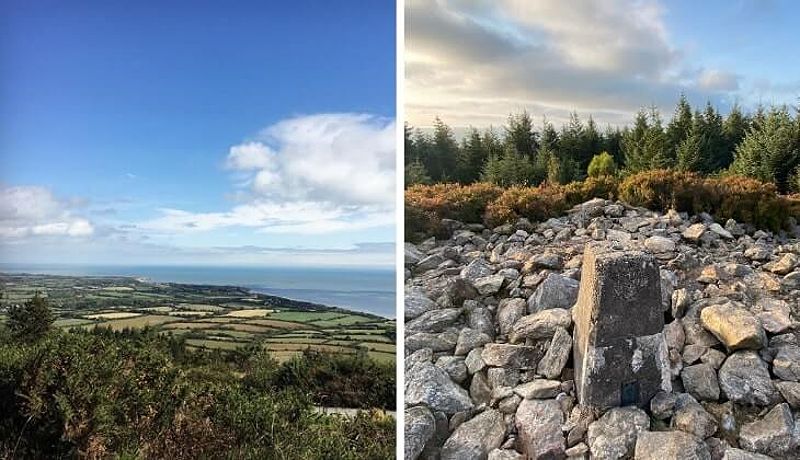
368,290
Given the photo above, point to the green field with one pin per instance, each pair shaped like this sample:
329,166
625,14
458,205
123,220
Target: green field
214,318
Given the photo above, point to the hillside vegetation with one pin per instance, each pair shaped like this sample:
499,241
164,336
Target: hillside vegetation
103,392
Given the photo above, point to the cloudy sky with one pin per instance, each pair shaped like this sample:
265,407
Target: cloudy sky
197,132
471,62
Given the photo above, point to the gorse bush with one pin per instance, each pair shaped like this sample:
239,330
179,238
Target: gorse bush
101,395
743,199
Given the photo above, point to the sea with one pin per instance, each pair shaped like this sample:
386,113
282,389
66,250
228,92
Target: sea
365,290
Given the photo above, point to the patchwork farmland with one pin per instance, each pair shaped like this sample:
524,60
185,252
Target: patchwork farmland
207,317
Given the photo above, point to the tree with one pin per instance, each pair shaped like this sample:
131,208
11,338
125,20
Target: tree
510,168
572,146
31,320
520,135
645,145
602,165
713,146
680,124
444,152
690,156
415,174
735,128
770,150
472,156
408,144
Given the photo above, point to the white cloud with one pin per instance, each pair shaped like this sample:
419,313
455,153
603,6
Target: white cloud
35,211
341,158
307,175
473,62
250,156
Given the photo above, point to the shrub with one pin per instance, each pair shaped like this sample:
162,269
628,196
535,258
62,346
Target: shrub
602,165
662,189
533,203
426,206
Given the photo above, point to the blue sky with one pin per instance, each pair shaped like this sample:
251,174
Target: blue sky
197,132
472,62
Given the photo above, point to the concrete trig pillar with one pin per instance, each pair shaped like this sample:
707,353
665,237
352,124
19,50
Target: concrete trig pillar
620,353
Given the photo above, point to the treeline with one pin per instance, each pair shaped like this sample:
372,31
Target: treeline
764,145
137,394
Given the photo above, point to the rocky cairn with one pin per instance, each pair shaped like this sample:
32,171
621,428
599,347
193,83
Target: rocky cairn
610,333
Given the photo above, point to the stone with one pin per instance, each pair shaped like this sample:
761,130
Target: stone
680,301
662,406
474,361
511,356
556,291
613,436
415,304
508,312
478,268
674,335
577,451
701,382
692,418
476,437
539,389
744,379
454,366
692,353
758,252
785,264
541,325
694,232
479,389
658,244
538,424
619,361
734,326
557,355
786,365
713,358
430,385
411,255
712,274
775,315
670,445
717,228
790,392
547,260
731,453
429,263
434,320
499,377
444,341
505,454
469,339
489,285
419,428
771,435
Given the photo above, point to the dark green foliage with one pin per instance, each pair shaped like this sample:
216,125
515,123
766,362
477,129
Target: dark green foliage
703,141
510,168
32,320
415,173
520,136
339,380
771,149
105,394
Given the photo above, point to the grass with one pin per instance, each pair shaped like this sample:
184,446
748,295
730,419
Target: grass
70,322
249,313
214,344
114,315
277,324
138,322
304,316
